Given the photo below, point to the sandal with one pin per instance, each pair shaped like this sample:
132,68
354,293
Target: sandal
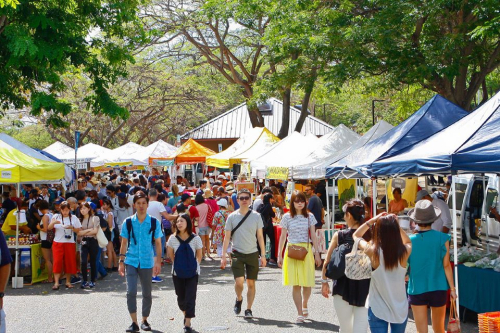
300,320
56,287
69,286
305,312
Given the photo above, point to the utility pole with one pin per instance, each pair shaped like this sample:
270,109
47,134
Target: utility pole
373,108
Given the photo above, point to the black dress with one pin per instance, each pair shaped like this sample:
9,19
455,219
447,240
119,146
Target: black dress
353,292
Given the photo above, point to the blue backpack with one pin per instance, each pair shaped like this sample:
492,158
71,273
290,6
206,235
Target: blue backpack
185,264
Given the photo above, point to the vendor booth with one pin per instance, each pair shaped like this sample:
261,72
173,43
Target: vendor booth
153,153
120,154
191,152
59,149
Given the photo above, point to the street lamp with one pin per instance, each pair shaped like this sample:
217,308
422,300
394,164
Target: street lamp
373,109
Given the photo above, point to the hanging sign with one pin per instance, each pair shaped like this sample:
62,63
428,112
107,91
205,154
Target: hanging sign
277,173
347,190
248,185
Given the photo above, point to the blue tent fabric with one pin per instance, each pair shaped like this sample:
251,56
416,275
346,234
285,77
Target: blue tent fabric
52,157
436,114
472,144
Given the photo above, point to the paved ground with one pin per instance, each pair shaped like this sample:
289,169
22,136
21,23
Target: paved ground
39,309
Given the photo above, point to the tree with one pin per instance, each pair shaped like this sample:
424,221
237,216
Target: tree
449,47
225,35
40,41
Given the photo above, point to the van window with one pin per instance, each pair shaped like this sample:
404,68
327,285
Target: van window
491,199
460,190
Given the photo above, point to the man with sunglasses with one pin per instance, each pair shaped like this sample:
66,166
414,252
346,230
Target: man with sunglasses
244,228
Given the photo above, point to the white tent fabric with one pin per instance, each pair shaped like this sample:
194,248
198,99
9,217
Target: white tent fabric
314,165
120,154
68,173
286,152
86,153
59,149
157,149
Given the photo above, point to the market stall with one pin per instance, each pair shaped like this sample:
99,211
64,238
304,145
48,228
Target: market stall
120,154
153,153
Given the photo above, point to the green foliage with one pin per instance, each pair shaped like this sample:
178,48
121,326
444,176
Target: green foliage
35,136
43,40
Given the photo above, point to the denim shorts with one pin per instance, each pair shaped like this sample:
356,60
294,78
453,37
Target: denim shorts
204,231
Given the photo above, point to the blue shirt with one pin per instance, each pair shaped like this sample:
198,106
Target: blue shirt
426,262
235,201
140,254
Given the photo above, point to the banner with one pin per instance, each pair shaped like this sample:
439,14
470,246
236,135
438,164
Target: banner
408,186
288,194
160,162
248,185
77,140
277,173
347,190
38,267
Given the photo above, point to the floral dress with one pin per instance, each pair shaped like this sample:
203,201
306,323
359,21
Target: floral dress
219,222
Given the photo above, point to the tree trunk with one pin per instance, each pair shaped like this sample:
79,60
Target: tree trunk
285,120
256,118
305,101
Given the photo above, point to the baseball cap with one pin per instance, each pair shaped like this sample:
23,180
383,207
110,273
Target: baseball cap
185,196
122,195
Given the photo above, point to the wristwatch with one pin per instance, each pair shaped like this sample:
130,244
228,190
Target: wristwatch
121,261
2,295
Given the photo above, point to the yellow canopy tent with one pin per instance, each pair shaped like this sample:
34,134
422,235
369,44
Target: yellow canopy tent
191,152
257,136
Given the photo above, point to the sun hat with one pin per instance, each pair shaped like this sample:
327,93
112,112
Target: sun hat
421,194
424,212
208,193
221,177
222,202
229,188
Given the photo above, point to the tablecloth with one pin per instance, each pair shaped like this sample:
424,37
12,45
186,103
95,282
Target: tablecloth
479,289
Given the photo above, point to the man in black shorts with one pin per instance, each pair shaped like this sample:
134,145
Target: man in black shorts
245,256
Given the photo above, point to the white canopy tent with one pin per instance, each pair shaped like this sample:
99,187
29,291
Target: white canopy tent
86,153
313,166
59,149
120,154
158,149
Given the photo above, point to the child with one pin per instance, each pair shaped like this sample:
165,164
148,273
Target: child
185,251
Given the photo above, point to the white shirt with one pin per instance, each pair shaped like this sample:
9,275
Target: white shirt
445,219
61,232
195,244
155,208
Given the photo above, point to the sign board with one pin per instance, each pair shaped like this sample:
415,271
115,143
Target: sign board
219,146
277,173
7,174
161,162
81,166
290,187
347,190
248,185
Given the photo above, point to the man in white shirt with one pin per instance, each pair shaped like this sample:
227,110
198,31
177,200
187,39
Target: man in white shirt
444,222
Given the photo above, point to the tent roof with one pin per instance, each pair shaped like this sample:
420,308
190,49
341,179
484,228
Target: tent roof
279,154
433,116
59,149
158,149
86,153
263,144
120,154
313,166
17,167
221,160
469,145
191,152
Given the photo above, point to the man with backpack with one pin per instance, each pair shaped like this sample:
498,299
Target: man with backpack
244,227
140,233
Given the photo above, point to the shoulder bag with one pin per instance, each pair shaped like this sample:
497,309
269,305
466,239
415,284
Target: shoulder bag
336,267
298,252
358,265
101,237
241,222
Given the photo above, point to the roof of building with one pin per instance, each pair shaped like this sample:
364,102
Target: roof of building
234,123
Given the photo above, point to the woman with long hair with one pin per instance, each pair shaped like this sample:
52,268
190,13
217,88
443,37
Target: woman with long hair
107,213
266,211
46,245
368,208
89,245
297,225
388,251
63,247
174,200
349,296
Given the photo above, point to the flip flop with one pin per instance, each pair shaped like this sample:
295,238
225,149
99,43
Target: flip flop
69,286
56,287
305,312
300,320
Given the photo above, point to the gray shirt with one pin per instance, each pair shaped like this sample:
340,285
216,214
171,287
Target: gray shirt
245,238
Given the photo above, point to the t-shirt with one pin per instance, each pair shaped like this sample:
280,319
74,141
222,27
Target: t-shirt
7,206
315,206
256,204
5,257
245,238
152,179
298,227
235,201
444,219
155,208
193,212
11,220
61,232
195,244
173,201
91,223
202,214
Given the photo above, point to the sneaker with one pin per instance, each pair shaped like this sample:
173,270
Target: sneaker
248,314
188,329
145,326
237,306
85,285
133,328
76,279
272,263
91,284
156,279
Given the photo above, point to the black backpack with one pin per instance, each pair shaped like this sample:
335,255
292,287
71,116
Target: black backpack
336,267
185,264
102,221
131,234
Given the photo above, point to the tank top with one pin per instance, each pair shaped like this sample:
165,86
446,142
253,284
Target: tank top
43,234
387,297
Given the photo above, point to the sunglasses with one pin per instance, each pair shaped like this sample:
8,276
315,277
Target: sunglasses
244,198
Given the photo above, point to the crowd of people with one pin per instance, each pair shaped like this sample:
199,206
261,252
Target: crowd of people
149,221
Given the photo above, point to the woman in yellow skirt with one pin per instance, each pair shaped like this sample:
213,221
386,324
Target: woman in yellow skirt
298,225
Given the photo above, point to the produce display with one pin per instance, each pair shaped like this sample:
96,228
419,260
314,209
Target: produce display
24,239
474,257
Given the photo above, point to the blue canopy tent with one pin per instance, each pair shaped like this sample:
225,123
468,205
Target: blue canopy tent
436,114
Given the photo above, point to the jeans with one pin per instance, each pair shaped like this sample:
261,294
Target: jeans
100,267
144,275
163,245
3,328
90,248
185,289
378,325
352,319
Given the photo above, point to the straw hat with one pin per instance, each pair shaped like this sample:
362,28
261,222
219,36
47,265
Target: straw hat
424,212
208,193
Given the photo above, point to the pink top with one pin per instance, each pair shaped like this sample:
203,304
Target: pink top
213,204
203,212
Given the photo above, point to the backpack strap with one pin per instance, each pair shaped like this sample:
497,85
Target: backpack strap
128,223
241,222
153,229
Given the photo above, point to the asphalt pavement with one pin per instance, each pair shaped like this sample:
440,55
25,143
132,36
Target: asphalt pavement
39,309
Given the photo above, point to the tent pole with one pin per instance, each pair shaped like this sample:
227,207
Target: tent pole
374,198
17,235
328,225
332,220
455,241
484,216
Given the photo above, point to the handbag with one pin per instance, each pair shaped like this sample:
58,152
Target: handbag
453,322
297,252
336,267
358,265
101,238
